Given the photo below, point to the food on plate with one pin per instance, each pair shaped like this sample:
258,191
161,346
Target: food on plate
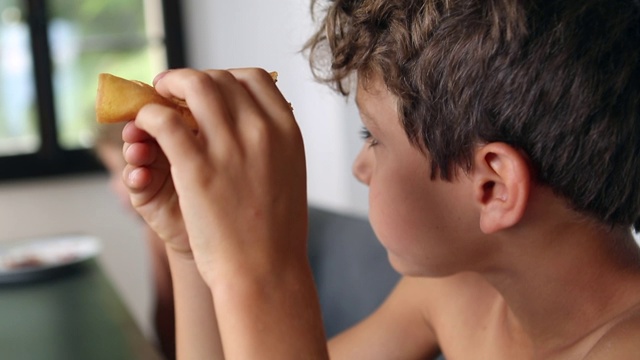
120,100
28,261
25,262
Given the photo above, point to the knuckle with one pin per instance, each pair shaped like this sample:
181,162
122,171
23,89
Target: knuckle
199,81
258,72
219,76
253,73
260,135
266,137
160,118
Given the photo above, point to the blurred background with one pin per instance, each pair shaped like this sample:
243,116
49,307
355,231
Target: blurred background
51,52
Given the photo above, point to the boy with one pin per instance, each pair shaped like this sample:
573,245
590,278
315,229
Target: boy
502,139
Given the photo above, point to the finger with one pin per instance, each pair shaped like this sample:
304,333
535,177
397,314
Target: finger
144,183
139,148
137,179
245,111
132,134
141,153
205,99
173,136
144,174
265,93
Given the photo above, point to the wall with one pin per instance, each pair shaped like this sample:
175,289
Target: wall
270,34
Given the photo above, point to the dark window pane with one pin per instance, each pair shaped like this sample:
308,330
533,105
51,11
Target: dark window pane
51,52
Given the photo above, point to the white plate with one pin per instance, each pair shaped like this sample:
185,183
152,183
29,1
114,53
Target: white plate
45,257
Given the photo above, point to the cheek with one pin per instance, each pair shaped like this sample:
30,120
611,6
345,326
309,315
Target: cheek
399,223
419,221
399,206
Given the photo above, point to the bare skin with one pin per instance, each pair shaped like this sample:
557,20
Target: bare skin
532,281
239,236
495,265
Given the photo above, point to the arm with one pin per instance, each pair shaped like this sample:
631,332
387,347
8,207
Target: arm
197,335
240,186
153,195
163,306
399,329
270,315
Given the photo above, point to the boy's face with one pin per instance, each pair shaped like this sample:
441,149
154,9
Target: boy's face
427,226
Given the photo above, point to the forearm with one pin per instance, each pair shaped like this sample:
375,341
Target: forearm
164,318
270,315
197,335
164,308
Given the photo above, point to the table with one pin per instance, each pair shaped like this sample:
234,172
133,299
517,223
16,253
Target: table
76,315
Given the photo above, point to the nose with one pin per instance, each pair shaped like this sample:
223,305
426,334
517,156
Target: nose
362,165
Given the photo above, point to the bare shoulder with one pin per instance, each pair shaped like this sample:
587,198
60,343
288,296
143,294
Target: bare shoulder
418,314
621,341
458,305
397,329
441,298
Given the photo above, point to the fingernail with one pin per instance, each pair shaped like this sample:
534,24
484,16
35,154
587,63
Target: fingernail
160,76
136,179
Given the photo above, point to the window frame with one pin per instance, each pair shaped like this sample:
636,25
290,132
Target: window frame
51,159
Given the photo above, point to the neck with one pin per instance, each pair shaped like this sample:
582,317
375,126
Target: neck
567,284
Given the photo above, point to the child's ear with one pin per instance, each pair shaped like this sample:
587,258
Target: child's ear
501,185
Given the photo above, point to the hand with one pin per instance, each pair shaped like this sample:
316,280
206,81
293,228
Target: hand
152,194
240,183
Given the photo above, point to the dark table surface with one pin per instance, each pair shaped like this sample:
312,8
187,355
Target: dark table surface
74,315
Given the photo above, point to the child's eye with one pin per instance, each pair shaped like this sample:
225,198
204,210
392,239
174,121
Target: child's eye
365,134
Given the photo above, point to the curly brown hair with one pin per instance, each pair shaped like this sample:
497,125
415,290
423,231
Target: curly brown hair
558,80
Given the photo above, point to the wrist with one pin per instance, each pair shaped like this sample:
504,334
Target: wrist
245,276
275,310
179,254
241,271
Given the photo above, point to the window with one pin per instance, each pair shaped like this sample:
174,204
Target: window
51,52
